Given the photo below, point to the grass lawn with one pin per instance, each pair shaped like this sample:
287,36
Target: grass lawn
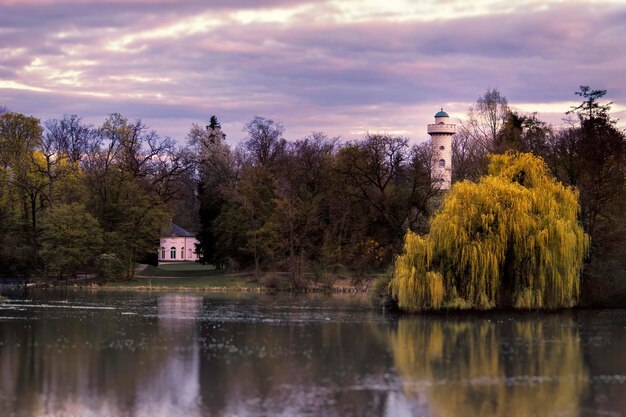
185,266
215,282
182,270
192,276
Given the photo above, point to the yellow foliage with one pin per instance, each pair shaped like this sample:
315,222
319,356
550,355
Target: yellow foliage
511,239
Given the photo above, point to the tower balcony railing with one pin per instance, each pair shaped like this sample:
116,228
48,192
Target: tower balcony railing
442,128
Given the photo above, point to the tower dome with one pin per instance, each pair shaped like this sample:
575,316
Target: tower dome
441,113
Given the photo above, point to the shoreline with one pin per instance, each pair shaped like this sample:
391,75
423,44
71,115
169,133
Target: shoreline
217,283
334,291
245,282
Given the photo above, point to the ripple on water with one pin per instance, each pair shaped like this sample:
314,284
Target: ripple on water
61,305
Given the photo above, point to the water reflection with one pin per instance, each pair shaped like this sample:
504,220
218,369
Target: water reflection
173,387
517,366
258,355
185,355
69,359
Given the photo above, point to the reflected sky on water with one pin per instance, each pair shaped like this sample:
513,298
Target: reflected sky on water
105,354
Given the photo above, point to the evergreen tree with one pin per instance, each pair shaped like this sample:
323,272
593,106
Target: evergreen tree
215,171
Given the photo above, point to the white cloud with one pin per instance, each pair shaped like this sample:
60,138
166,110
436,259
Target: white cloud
9,84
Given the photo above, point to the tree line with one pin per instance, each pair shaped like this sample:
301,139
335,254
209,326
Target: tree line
316,205
321,205
75,197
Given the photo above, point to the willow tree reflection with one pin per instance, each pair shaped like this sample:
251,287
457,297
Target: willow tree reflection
518,366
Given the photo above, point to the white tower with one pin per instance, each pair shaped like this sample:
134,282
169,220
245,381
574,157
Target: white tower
441,142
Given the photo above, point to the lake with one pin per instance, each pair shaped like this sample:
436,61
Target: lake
98,353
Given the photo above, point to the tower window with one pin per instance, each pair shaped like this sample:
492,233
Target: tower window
441,148
442,163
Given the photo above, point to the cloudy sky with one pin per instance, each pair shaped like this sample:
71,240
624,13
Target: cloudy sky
343,67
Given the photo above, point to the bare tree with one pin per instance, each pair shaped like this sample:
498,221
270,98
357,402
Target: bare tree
300,194
469,158
485,119
69,136
264,141
375,174
423,187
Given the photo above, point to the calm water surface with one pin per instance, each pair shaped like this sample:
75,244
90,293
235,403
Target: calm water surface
113,354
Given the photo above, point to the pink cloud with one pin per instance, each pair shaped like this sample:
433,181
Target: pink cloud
310,74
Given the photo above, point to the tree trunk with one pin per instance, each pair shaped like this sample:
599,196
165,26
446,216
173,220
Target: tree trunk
256,255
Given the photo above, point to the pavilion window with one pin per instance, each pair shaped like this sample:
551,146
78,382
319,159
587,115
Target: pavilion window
173,252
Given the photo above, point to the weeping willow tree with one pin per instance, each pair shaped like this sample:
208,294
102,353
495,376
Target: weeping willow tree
512,239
